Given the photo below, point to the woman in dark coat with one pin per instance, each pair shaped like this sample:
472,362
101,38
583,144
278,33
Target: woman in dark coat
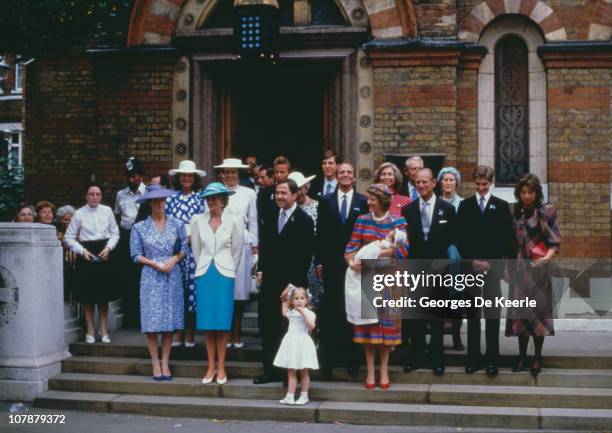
537,241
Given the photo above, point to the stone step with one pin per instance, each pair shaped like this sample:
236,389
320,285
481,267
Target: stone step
331,412
444,394
252,352
70,311
549,377
73,334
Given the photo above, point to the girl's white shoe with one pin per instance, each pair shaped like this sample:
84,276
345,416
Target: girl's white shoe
303,399
89,339
288,400
105,339
207,380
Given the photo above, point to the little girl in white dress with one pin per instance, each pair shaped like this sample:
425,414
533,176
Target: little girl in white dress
297,350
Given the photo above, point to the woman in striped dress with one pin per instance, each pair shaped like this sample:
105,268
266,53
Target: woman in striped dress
373,226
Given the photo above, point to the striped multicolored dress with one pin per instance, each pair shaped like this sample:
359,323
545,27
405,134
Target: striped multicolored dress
368,229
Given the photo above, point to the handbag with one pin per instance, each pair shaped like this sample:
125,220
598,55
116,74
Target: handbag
538,251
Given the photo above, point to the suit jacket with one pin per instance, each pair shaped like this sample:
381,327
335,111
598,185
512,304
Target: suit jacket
487,236
286,256
224,245
441,231
316,188
332,235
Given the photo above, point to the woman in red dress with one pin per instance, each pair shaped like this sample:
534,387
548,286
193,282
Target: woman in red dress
388,174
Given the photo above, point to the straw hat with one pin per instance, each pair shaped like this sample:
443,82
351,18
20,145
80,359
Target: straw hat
153,192
216,188
232,163
188,167
299,178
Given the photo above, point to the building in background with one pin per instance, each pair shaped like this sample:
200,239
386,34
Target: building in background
11,107
522,85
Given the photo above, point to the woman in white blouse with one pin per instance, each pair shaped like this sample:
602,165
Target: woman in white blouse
92,235
243,203
217,239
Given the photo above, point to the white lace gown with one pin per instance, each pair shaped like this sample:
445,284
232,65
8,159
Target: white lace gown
297,350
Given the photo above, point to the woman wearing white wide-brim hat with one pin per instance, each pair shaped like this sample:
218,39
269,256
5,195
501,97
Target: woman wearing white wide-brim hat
242,203
310,206
183,205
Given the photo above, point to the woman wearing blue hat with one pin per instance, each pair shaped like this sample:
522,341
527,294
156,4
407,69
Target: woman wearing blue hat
159,243
217,240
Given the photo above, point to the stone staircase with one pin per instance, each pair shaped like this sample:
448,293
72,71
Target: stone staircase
571,393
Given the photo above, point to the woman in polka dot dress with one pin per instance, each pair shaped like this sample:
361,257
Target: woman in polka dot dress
183,205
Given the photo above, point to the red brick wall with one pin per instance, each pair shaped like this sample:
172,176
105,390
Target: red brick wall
84,119
579,158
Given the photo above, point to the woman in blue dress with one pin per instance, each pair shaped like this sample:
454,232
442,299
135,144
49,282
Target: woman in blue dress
159,243
217,240
183,205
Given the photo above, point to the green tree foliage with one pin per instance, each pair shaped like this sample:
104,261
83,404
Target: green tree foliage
51,27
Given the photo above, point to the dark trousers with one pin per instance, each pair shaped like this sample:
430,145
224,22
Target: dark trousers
273,325
492,319
335,332
415,330
130,281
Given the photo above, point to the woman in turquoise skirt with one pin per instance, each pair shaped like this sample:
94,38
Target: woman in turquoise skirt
217,241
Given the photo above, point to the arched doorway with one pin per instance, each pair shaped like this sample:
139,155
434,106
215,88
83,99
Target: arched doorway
309,101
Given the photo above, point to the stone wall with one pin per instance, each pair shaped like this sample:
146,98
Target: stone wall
84,119
415,111
580,152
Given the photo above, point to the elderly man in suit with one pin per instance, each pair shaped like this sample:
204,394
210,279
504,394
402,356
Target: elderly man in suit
337,214
430,233
486,235
288,236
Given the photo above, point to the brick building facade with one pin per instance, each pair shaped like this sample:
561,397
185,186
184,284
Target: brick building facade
395,78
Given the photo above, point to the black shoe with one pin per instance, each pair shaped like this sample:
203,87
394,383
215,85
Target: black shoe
519,366
458,346
408,368
264,378
470,369
491,370
536,370
438,371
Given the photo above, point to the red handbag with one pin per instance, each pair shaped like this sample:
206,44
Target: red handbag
538,251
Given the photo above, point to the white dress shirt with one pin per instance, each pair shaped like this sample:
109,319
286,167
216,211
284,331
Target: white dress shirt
431,201
126,206
349,197
332,188
487,196
288,213
92,224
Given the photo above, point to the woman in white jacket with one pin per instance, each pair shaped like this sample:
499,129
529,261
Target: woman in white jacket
216,240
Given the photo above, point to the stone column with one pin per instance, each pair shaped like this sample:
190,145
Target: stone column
32,343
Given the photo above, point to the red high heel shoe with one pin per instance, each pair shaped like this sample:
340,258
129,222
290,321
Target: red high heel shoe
369,385
385,385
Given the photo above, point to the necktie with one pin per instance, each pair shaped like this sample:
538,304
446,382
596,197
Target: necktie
343,209
482,205
282,220
425,221
414,194
328,188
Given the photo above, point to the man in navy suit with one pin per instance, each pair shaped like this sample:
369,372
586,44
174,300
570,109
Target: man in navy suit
336,217
288,237
430,233
486,235
327,183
